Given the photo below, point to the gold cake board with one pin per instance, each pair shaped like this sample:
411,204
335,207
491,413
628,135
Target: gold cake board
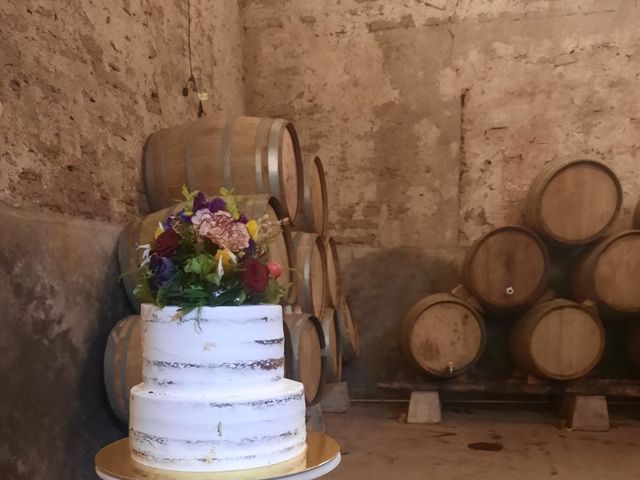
114,462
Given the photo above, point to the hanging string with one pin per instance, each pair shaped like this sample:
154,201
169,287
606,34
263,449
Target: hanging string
191,81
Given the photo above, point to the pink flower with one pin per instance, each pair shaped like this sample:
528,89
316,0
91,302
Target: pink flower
221,229
275,269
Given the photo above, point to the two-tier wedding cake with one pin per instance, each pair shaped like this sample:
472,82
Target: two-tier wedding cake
213,396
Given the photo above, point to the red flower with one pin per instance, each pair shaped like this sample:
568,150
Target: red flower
254,275
167,243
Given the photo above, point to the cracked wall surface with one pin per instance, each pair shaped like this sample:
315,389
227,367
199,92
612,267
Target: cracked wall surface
548,87
85,82
432,118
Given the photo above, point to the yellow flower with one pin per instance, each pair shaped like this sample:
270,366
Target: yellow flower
225,257
252,228
159,230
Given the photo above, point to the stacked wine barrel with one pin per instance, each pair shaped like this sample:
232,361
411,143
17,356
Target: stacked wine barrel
570,210
319,298
260,159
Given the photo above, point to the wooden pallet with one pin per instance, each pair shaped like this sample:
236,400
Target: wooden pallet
584,404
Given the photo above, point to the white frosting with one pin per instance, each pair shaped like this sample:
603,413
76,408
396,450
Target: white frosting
217,432
213,396
219,349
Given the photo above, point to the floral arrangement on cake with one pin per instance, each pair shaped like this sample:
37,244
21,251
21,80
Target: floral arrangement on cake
210,254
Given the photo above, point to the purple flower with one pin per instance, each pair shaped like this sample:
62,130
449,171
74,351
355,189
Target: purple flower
161,268
183,216
243,218
216,204
199,202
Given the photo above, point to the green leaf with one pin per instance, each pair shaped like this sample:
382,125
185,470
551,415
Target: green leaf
193,266
188,195
200,265
230,200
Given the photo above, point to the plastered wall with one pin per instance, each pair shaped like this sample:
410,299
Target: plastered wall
82,84
432,118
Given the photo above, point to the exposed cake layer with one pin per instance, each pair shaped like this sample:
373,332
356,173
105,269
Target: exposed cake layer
217,432
230,349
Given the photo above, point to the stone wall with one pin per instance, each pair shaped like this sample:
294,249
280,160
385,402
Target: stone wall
83,83
431,119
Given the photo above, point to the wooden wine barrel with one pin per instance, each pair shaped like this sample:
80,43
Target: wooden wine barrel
123,364
314,212
251,154
636,216
507,269
349,337
333,348
334,281
573,202
443,335
304,359
609,274
558,340
141,232
633,342
311,261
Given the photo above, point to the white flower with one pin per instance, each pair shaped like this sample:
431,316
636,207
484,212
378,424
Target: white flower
146,249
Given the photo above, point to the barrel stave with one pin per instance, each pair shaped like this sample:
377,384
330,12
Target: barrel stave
443,335
311,262
560,206
609,274
123,364
334,280
254,155
558,340
507,269
348,329
305,362
333,347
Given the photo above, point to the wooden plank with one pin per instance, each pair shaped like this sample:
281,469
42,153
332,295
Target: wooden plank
607,387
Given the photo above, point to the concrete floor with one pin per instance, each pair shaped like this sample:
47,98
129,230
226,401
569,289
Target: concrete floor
376,446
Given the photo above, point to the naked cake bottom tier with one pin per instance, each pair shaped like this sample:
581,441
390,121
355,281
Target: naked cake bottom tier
214,432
